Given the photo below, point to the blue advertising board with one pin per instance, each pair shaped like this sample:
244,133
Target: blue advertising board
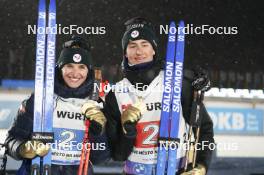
240,121
8,111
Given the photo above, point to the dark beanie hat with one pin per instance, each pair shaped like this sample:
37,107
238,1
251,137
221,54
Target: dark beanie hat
139,28
76,56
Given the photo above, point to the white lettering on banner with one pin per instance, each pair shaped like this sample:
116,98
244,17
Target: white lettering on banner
252,122
228,120
238,121
223,122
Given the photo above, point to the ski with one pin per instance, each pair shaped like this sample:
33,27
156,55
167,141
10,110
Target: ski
166,103
173,160
39,80
49,83
44,85
167,162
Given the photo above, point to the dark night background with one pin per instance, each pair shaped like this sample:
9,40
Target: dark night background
232,60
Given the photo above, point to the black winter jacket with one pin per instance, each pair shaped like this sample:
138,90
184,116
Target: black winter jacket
22,129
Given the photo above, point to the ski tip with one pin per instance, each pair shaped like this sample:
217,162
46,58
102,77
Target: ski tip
181,23
42,5
52,4
172,24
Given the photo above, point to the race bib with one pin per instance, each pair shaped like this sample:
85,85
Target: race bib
67,147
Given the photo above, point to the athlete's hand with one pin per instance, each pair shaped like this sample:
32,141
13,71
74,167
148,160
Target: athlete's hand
199,170
93,113
132,114
201,80
33,148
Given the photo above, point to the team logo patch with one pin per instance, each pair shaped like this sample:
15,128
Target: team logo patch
134,34
77,58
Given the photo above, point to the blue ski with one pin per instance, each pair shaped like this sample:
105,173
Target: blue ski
39,80
49,82
166,104
44,86
171,104
173,162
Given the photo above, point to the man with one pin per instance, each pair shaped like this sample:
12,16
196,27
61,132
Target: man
133,108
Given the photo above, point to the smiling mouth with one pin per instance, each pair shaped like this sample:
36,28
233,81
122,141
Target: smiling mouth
139,58
74,79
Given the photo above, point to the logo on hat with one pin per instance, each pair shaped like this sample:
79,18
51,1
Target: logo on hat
134,34
77,58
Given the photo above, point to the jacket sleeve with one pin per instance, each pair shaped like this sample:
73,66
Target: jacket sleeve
21,129
100,151
120,145
206,128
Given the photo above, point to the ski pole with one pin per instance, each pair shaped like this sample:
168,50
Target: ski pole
87,158
193,119
189,146
85,155
84,162
200,95
195,122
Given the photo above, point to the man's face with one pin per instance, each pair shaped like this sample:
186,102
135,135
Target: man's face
139,51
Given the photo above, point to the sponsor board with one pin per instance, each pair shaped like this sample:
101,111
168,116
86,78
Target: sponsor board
239,121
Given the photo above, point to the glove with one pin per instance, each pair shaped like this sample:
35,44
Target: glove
201,80
131,115
199,170
93,113
33,148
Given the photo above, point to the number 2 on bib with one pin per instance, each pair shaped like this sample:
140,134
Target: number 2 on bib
147,134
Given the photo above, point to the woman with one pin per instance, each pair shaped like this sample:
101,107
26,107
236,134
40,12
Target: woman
74,80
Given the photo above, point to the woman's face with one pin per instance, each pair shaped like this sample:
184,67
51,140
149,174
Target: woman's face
74,74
